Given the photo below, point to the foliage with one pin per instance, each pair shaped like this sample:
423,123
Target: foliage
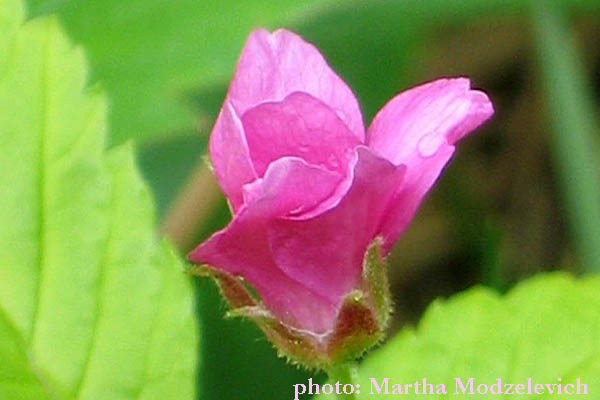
545,328
148,54
91,306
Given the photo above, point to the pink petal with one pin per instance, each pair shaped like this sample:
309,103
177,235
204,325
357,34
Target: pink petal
302,268
418,128
229,155
405,203
408,128
291,187
274,65
300,126
326,252
243,249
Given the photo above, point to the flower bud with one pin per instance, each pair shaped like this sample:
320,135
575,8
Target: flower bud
317,203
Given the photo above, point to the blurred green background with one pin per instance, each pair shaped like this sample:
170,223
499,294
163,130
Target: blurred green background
522,195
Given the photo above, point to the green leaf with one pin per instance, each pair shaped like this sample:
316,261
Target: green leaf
545,328
91,306
11,14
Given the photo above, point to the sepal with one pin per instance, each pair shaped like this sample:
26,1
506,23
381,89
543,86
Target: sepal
376,282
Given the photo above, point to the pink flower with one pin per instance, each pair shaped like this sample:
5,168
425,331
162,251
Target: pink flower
310,190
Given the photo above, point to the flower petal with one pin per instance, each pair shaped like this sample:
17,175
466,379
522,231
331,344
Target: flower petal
291,187
415,123
326,252
303,268
406,201
419,128
274,65
300,126
242,249
229,155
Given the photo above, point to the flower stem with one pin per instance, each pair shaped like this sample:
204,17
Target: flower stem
345,374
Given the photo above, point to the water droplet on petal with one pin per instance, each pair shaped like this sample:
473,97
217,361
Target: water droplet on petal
429,144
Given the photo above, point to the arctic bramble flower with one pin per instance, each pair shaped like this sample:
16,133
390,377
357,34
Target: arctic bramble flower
311,191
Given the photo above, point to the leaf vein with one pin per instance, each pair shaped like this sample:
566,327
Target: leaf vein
43,131
78,388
